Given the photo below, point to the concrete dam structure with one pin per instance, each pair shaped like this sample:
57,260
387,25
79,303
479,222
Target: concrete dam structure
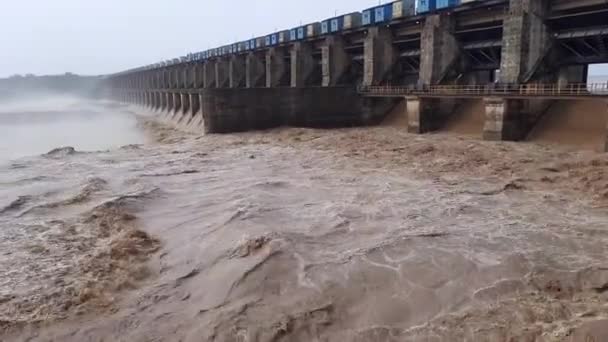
513,61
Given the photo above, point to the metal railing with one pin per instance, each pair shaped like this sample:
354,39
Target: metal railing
502,90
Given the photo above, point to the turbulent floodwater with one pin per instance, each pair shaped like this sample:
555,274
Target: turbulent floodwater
304,235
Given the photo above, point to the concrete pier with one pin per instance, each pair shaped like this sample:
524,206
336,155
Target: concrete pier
185,101
302,64
426,114
221,73
170,104
526,40
188,76
276,68
335,61
526,47
177,104
197,75
439,50
209,74
237,71
195,104
162,100
505,120
379,55
255,71
149,104
155,101
437,63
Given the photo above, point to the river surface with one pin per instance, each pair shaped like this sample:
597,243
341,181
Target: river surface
35,126
367,234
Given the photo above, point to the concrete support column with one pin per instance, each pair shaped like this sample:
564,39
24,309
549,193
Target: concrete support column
172,78
439,49
198,79
335,61
177,102
145,80
168,78
199,122
275,67
426,114
379,55
154,79
189,76
170,103
185,101
505,119
164,79
254,71
302,64
237,71
180,77
209,74
162,102
195,103
147,99
526,40
155,101
221,73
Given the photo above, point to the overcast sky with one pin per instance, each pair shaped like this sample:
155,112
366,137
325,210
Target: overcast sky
106,36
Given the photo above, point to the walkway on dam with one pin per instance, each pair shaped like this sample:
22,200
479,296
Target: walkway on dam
539,91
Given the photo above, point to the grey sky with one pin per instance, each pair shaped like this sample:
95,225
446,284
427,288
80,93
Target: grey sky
105,36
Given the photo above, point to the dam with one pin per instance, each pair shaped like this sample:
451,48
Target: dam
514,58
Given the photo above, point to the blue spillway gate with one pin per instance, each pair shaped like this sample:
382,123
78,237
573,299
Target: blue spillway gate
423,6
447,3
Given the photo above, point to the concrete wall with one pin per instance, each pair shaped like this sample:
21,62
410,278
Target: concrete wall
230,110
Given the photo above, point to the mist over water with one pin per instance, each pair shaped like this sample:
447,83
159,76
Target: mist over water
37,125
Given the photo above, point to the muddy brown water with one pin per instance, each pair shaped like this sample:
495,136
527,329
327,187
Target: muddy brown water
365,234
580,124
